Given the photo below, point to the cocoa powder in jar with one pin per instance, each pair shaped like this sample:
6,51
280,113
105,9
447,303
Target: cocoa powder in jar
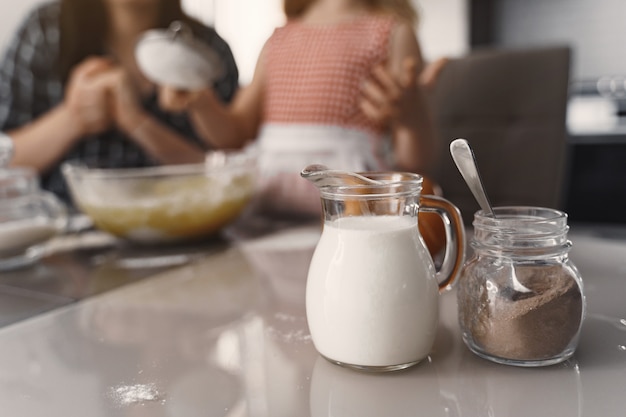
522,312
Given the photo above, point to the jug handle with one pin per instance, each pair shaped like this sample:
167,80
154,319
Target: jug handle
454,255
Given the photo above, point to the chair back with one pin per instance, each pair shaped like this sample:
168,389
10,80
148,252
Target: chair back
511,107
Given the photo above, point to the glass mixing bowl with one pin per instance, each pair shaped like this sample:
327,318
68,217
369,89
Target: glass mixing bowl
166,203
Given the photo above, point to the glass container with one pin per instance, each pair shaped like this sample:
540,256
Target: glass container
29,216
520,297
372,294
167,203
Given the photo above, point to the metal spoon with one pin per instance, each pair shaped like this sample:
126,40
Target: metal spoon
320,175
466,163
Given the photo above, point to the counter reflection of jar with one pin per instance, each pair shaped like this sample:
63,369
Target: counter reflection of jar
520,298
28,215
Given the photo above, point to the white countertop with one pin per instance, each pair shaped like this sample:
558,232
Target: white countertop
227,336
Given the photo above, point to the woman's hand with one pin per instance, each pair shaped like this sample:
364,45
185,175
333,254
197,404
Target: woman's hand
123,100
158,140
86,98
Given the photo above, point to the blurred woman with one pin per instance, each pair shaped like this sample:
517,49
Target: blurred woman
70,88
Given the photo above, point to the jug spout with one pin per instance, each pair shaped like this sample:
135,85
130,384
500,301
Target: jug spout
322,176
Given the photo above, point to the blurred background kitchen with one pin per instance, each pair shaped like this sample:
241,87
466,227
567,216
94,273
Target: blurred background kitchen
594,184
595,176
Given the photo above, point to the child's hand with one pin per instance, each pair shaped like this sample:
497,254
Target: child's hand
395,99
430,75
389,98
124,100
175,100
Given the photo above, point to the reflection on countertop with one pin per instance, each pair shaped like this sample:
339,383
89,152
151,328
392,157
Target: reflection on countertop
81,264
211,335
226,335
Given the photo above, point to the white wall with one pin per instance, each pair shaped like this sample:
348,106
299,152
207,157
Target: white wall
443,29
593,28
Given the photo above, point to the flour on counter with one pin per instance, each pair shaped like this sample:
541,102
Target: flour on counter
134,394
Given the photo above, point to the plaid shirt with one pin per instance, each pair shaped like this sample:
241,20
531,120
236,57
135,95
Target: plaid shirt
31,86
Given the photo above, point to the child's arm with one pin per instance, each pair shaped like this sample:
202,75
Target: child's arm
219,125
395,95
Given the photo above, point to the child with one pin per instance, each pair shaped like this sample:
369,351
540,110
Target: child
331,86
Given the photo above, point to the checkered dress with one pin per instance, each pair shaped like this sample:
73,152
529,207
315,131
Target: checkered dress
30,86
315,72
311,107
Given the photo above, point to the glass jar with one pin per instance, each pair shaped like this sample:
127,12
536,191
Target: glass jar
520,298
29,216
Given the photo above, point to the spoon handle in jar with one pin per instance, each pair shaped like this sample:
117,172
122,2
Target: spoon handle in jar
466,163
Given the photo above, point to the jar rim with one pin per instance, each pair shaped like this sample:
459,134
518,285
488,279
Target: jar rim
520,216
523,229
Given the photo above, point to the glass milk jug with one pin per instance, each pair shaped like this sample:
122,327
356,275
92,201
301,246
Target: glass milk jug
372,288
